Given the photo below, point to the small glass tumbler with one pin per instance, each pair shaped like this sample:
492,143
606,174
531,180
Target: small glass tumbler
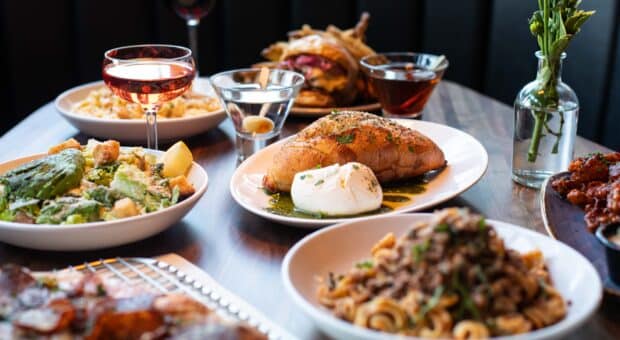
403,81
257,110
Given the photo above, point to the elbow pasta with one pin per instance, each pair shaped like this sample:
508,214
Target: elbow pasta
450,278
102,103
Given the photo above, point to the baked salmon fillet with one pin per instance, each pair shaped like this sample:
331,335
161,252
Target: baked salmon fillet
392,151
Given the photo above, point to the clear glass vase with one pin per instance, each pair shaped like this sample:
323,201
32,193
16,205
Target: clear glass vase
545,125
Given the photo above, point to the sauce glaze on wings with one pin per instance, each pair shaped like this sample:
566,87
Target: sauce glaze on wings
594,185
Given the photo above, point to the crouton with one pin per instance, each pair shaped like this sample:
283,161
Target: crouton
106,152
124,207
68,144
185,187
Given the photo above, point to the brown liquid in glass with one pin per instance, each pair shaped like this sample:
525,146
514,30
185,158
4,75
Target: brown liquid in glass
404,90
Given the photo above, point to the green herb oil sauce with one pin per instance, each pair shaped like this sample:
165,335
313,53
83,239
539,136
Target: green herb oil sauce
395,195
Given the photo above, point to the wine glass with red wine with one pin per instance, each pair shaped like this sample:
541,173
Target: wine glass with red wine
192,11
149,75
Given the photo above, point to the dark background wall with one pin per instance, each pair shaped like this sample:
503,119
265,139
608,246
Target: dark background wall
49,46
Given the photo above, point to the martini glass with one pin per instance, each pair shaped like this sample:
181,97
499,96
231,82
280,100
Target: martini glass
149,75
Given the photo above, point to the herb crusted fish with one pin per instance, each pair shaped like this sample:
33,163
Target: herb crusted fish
392,151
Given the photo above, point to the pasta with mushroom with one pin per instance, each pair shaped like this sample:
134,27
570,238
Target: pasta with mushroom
451,277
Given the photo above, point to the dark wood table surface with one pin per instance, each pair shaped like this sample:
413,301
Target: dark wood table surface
244,252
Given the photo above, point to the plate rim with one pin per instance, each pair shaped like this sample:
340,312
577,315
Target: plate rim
68,114
309,111
319,223
315,313
543,211
15,226
543,204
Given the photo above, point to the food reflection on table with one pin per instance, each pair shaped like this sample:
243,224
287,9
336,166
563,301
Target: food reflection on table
329,61
99,181
392,152
69,304
451,277
594,185
102,103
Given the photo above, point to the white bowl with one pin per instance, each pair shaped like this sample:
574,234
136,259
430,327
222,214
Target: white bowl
134,130
337,248
98,235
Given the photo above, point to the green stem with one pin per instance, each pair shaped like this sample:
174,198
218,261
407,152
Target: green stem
545,48
539,121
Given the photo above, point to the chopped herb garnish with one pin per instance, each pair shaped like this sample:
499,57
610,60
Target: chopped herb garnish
389,137
419,249
364,265
356,167
482,224
465,301
319,182
345,139
318,166
302,177
443,228
410,148
431,303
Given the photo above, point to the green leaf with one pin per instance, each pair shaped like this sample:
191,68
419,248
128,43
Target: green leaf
574,23
175,195
103,174
559,46
57,212
46,177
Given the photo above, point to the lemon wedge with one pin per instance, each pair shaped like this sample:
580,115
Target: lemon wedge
177,160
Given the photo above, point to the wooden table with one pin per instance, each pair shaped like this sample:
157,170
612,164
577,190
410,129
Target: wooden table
244,252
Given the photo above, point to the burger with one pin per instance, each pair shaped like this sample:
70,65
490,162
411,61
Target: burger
329,61
330,71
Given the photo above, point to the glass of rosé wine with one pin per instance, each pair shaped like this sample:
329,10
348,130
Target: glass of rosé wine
149,75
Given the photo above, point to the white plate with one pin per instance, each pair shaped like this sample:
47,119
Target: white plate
337,248
134,130
98,235
467,162
303,111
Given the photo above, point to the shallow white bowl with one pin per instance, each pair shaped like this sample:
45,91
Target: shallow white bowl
467,163
98,235
337,248
134,130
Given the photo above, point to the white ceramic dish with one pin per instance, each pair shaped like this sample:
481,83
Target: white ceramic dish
467,163
134,130
98,235
302,111
337,248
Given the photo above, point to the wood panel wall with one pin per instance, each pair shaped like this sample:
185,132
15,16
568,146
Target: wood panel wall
60,44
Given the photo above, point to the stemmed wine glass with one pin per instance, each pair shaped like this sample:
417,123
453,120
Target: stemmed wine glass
192,11
149,75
